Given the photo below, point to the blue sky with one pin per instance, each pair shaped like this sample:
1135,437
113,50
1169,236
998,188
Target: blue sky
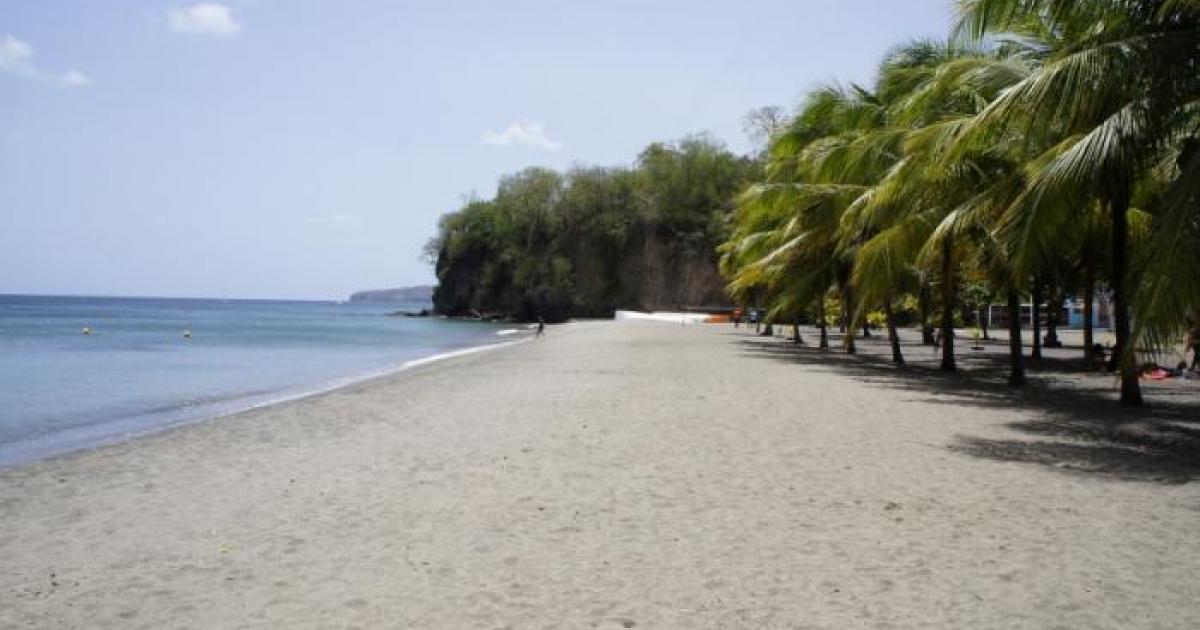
305,148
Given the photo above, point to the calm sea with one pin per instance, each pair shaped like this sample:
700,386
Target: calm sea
136,372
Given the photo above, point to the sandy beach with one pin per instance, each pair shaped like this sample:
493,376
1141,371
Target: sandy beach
628,475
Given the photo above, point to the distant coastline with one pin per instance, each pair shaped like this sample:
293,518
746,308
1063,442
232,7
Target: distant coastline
419,293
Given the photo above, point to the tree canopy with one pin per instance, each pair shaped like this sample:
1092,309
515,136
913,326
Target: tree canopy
1040,142
591,240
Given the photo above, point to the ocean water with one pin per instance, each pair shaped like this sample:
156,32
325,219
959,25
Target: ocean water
136,372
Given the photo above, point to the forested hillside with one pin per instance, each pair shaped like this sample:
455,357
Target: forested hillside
592,240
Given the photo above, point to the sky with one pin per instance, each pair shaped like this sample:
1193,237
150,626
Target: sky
306,148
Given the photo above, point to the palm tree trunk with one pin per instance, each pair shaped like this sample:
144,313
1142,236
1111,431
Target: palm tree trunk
981,319
1053,316
1016,362
948,294
847,316
923,305
1123,353
893,335
1089,297
796,332
821,323
1035,313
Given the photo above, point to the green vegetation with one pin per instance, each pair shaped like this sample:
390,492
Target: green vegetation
591,240
1046,147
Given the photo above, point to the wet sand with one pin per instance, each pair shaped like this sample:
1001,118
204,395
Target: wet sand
627,475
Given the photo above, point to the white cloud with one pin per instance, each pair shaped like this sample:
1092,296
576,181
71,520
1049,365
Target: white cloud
526,132
206,18
340,219
16,58
74,78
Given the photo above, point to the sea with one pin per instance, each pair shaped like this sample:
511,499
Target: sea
147,364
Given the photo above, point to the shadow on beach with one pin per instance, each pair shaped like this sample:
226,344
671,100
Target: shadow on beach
1074,423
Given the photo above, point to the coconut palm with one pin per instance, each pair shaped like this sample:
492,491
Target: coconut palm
1000,153
786,238
927,209
1120,92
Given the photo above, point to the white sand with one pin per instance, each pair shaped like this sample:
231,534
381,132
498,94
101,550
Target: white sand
607,476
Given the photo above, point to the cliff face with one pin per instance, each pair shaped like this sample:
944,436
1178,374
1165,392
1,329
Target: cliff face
650,273
591,241
658,273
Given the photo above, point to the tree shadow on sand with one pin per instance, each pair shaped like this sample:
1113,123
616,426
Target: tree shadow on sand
1074,423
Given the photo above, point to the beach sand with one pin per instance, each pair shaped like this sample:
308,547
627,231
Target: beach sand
623,475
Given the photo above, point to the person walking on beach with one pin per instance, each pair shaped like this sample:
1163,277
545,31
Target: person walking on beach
541,328
737,317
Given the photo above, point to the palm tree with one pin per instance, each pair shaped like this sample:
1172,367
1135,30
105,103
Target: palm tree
786,237
926,210
1119,92
1048,127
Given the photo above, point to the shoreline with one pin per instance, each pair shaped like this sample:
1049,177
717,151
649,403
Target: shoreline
625,475
89,437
